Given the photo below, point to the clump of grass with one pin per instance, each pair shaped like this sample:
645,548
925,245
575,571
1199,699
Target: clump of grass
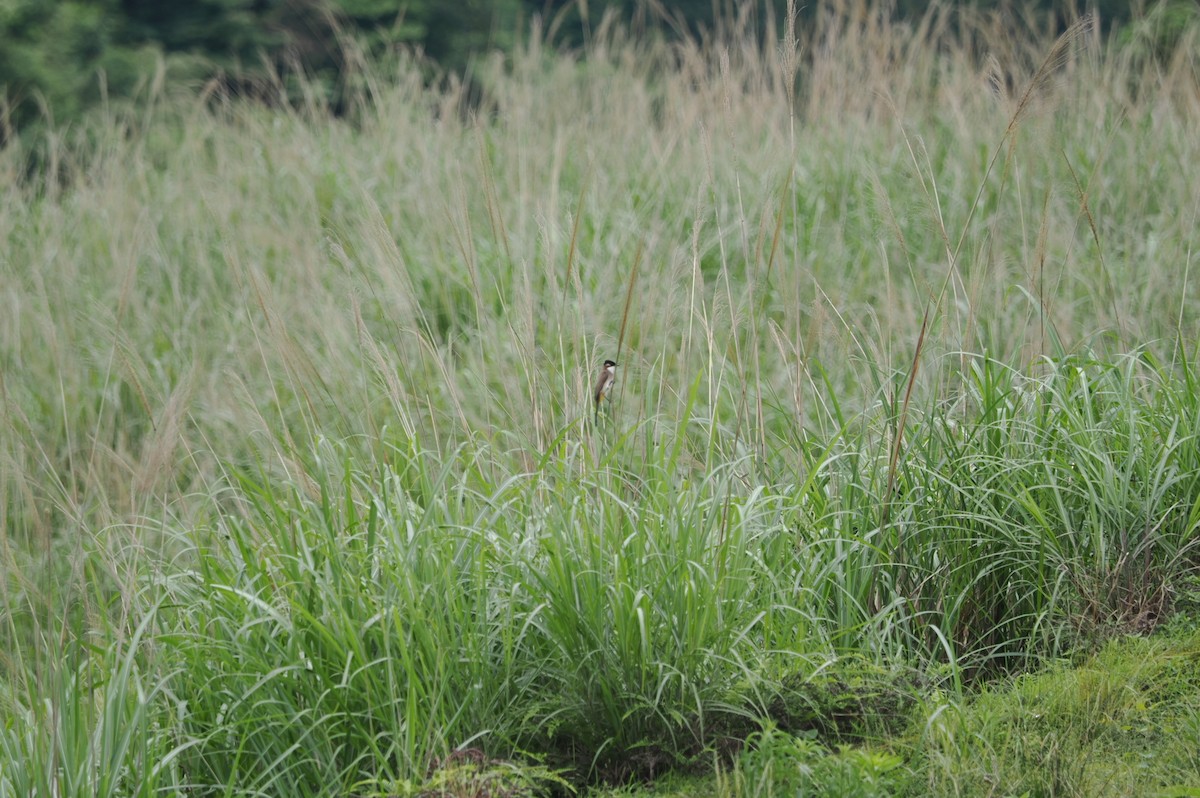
778,763
367,626
97,726
1030,508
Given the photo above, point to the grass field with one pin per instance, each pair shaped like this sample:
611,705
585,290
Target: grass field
300,494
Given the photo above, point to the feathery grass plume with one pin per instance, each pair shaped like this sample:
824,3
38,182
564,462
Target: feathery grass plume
1060,54
1065,48
632,283
574,241
1081,193
789,63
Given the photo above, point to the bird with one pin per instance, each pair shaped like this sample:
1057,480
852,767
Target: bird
604,383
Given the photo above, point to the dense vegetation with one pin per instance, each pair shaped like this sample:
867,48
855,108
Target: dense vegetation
300,496
61,57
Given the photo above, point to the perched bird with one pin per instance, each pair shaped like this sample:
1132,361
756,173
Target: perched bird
604,383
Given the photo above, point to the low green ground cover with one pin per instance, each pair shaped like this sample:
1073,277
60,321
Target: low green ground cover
1119,721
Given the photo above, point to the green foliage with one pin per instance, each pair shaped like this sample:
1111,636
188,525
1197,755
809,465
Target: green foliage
51,55
364,630
1122,722
776,763
469,774
61,57
849,699
91,726
1170,28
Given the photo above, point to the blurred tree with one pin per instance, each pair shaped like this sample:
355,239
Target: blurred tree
1156,36
52,52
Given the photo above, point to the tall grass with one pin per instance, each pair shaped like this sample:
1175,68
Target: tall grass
298,490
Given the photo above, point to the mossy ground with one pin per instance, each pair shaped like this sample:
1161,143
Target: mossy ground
1123,720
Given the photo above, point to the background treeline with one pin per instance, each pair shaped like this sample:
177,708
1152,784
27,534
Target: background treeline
58,57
